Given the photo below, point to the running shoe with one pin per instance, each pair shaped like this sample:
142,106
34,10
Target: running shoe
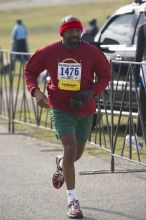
58,177
74,210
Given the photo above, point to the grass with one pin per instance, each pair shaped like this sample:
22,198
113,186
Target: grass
49,136
43,22
43,25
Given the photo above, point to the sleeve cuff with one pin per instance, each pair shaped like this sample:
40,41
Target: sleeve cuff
32,91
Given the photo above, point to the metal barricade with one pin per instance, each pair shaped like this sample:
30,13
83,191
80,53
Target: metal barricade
116,115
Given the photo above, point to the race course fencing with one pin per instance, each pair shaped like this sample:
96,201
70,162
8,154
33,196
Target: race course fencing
116,114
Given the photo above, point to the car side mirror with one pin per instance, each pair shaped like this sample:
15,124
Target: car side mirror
104,49
109,41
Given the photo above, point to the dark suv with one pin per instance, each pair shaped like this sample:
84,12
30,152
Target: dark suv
118,38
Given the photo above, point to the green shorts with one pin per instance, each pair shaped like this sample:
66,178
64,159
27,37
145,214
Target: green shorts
66,123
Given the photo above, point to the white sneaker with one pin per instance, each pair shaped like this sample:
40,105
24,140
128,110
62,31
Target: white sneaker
136,142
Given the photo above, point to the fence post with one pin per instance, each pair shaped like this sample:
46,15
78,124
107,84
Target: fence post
10,111
112,125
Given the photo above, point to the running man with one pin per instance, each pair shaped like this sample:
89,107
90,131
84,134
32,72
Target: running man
72,65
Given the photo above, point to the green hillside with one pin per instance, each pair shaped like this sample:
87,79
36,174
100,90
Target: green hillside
43,22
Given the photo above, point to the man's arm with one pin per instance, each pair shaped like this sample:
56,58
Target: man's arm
140,45
41,99
104,73
14,33
103,70
34,67
139,53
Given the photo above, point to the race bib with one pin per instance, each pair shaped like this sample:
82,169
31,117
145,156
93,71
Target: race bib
69,76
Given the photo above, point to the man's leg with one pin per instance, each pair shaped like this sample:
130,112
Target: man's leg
73,132
74,144
142,97
69,145
72,152
65,126
136,139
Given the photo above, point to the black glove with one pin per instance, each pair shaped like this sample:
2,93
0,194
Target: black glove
80,98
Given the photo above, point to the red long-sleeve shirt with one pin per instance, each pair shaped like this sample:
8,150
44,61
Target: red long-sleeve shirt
84,62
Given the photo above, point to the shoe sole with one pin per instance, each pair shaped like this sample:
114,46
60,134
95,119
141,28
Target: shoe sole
75,217
58,160
57,184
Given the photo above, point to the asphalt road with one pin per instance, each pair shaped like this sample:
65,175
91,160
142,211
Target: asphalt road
26,192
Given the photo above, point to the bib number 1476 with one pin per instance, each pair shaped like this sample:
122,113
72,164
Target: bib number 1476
69,71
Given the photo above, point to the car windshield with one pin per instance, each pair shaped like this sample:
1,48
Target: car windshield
118,31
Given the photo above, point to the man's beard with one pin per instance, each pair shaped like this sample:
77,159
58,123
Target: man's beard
74,41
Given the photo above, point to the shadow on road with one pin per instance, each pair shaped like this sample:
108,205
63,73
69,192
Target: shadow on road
120,214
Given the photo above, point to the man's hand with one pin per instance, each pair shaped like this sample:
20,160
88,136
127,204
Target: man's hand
41,99
80,98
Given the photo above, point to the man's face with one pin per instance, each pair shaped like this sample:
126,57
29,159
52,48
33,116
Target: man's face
72,36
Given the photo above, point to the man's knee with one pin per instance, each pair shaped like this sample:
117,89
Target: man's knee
70,152
69,144
80,150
